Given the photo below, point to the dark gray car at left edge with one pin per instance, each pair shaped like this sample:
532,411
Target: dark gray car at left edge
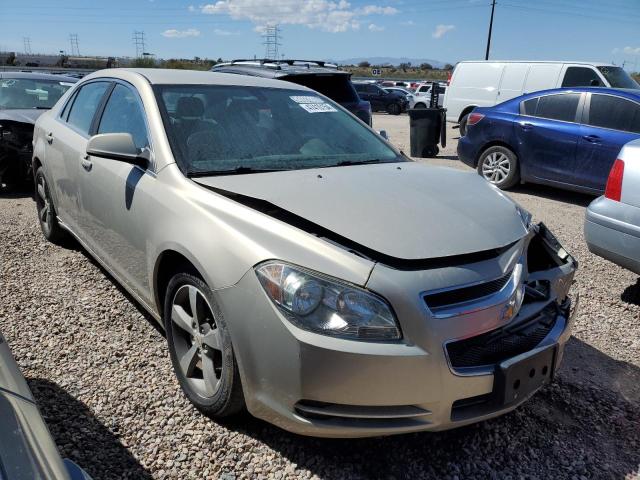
24,96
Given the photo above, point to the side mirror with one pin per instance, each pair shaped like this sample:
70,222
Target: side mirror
383,134
116,146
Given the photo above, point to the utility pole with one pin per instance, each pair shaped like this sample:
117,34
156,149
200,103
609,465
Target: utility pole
27,45
493,7
138,40
271,37
75,49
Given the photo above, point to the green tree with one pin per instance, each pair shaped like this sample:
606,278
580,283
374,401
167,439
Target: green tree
364,64
426,66
448,66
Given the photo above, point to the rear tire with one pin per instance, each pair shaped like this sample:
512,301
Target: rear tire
394,109
499,166
420,105
200,348
47,217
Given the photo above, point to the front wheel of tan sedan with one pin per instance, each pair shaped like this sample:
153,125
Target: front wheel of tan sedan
200,347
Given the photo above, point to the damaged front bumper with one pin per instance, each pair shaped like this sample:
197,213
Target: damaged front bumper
446,371
16,150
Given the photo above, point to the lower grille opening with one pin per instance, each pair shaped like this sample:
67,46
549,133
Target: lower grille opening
361,413
498,345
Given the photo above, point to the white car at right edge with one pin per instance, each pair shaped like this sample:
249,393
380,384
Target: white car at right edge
612,222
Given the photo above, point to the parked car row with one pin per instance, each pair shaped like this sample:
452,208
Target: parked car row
198,191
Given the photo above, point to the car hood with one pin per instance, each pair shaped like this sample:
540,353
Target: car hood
26,115
402,210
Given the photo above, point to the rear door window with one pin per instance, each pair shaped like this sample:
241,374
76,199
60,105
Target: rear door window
85,105
554,107
581,77
616,113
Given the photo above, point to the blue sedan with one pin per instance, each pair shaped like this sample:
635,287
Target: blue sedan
567,138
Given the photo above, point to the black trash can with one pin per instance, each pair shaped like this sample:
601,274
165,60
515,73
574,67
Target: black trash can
426,128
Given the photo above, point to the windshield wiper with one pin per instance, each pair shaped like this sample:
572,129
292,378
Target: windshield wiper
347,163
233,171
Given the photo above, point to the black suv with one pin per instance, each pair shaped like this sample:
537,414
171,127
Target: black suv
391,102
320,76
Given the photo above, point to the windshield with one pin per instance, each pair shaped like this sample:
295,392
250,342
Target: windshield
618,78
31,93
223,129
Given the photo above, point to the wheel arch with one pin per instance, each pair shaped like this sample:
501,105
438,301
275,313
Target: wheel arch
465,111
495,143
168,263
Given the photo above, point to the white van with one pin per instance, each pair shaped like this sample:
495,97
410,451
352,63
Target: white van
487,83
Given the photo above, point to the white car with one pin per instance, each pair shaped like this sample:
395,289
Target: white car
423,95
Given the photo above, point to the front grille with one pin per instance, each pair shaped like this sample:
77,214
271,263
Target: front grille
498,345
440,300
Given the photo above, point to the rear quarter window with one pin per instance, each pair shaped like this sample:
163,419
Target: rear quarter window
561,107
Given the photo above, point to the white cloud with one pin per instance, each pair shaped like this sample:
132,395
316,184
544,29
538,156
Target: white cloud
191,8
631,50
441,30
375,28
224,33
173,33
327,15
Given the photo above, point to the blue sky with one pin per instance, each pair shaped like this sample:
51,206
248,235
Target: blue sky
446,30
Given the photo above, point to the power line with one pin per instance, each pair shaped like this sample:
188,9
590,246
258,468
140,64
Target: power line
138,40
75,49
271,41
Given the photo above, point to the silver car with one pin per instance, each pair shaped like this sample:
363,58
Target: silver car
612,222
27,450
300,265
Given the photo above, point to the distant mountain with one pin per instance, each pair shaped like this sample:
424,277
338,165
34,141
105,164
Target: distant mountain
395,61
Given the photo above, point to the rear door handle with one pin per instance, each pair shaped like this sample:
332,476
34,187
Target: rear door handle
50,138
592,138
86,163
526,126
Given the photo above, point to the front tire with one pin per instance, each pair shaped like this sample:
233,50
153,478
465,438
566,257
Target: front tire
47,217
200,348
420,105
499,166
394,109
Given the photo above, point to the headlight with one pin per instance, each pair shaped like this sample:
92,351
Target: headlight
525,216
322,305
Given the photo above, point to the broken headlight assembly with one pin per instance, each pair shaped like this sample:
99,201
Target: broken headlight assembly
327,306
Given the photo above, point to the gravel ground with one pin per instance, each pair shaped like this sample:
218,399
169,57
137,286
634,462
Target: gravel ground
101,373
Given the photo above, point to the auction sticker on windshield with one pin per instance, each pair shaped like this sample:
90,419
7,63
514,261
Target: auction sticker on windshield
317,107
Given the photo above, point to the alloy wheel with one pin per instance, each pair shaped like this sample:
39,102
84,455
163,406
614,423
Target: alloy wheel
197,340
496,167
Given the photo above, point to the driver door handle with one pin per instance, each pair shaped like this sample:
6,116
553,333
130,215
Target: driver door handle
86,163
50,138
526,126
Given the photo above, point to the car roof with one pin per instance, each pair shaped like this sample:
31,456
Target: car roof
622,92
164,76
279,68
38,76
580,62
